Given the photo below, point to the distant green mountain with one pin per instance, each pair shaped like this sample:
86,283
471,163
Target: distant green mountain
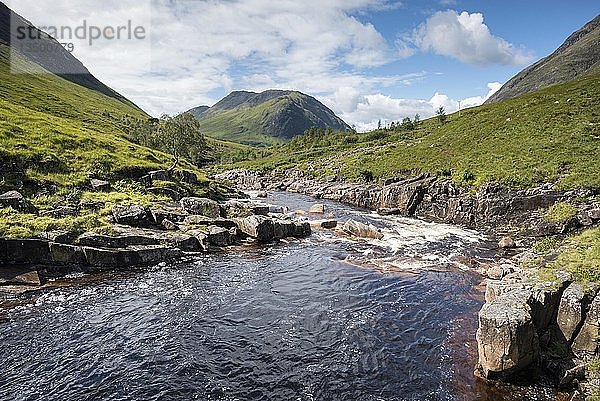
579,56
273,116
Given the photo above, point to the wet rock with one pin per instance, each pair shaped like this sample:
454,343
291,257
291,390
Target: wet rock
507,339
507,243
175,215
16,201
153,254
389,211
262,194
160,175
587,342
133,215
201,239
185,176
327,224
201,206
498,272
317,209
276,209
27,251
220,237
284,229
67,254
362,230
16,276
109,258
3,257
259,227
571,311
99,185
119,241
302,229
237,209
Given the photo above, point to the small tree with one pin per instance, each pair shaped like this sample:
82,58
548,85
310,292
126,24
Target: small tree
417,120
441,115
180,136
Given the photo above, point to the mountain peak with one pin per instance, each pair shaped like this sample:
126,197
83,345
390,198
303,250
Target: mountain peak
262,118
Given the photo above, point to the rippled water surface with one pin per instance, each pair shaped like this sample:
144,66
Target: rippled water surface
321,319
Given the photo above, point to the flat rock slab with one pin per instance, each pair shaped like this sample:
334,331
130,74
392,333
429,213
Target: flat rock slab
17,276
201,206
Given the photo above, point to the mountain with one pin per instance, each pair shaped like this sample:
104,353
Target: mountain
265,118
55,128
54,58
577,57
198,111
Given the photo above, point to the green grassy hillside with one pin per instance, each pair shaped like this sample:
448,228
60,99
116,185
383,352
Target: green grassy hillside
267,118
57,131
553,134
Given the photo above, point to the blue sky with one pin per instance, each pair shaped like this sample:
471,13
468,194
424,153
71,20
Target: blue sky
365,59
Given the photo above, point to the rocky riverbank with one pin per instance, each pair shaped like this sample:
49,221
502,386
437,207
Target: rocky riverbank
529,322
141,236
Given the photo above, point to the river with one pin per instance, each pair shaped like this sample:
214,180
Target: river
321,319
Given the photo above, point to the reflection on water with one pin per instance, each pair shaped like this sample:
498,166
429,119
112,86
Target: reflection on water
283,322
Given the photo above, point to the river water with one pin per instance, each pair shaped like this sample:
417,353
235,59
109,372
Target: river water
326,318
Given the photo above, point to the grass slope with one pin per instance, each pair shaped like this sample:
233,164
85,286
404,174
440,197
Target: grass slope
553,134
59,131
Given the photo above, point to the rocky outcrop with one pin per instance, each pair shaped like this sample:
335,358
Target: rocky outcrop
587,342
431,198
16,201
133,215
202,207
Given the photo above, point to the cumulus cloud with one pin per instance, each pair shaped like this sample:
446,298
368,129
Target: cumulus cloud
365,112
464,37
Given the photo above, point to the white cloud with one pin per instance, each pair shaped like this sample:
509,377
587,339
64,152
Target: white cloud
464,37
370,109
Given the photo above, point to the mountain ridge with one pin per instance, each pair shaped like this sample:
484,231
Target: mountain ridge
267,117
578,56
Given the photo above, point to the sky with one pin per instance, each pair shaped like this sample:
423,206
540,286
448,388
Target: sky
367,60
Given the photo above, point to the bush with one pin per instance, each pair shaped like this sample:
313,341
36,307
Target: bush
560,213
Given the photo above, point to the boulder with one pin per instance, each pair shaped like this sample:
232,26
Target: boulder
133,215
284,229
498,272
276,209
160,175
302,229
119,241
507,243
507,339
67,254
328,224
259,227
201,239
153,254
237,209
201,206
195,220
544,301
99,185
587,342
218,236
185,176
27,251
594,214
175,215
571,310
17,201
109,258
317,209
362,230
262,194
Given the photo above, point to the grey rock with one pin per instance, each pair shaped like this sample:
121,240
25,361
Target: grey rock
328,224
99,185
587,342
166,192
498,272
118,241
237,209
201,206
63,237
133,215
67,254
259,227
17,201
571,310
284,229
194,220
169,225
507,338
110,258
302,229
159,214
594,214
185,176
153,254
218,236
507,243
362,230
